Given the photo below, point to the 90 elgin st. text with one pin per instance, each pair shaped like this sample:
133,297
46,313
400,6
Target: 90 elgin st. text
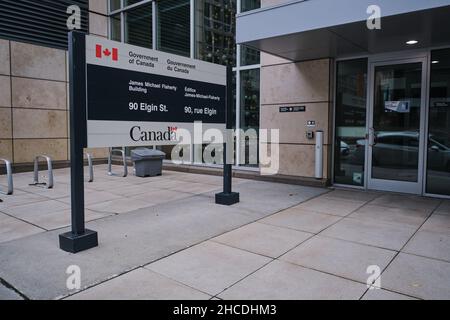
134,106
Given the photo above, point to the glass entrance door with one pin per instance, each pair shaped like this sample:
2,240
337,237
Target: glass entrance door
396,125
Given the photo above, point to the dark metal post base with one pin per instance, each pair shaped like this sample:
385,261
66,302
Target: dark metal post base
227,199
74,243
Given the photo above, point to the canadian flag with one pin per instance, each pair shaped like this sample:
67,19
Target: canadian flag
100,52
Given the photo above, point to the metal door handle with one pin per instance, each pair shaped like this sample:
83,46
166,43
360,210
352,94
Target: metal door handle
372,137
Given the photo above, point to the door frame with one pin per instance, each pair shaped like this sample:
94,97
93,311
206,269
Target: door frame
395,185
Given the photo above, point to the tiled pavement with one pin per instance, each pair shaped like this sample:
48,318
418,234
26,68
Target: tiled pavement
164,238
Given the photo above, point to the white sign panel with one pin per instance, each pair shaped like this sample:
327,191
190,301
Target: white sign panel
137,96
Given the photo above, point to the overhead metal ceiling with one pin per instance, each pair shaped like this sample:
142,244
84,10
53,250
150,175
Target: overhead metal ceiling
312,29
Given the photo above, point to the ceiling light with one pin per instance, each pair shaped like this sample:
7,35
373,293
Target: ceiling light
435,61
411,42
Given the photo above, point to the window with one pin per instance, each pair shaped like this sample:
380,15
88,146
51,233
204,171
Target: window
438,160
174,26
114,5
250,99
138,26
249,56
350,117
116,21
211,30
247,5
215,31
249,108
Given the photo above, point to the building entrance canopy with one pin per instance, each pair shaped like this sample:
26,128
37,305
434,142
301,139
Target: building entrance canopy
313,29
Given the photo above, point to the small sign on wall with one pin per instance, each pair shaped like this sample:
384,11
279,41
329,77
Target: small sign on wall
293,109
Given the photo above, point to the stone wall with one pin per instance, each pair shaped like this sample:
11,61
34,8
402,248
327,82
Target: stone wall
307,83
288,83
34,112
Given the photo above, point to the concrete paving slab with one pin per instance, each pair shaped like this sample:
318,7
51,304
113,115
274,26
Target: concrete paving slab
397,216
134,190
61,219
437,223
263,198
337,207
378,234
8,294
20,198
12,228
352,195
302,220
282,280
60,190
430,244
209,267
93,197
380,294
263,239
112,184
118,206
31,211
196,188
338,257
418,277
406,201
140,284
444,208
161,196
204,179
159,184
125,242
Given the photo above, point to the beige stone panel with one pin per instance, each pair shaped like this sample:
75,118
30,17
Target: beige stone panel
67,69
98,24
31,93
5,123
98,6
270,59
306,81
292,125
4,57
6,149
5,91
98,152
30,123
297,160
26,149
38,62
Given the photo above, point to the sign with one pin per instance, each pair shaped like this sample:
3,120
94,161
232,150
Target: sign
397,106
137,96
311,123
293,109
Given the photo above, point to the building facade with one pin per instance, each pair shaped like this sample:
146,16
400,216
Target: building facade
381,99
380,93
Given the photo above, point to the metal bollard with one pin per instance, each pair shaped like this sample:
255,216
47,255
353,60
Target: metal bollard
36,182
124,160
91,167
9,177
319,154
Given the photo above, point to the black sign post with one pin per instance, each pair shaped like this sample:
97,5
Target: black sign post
79,238
227,197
